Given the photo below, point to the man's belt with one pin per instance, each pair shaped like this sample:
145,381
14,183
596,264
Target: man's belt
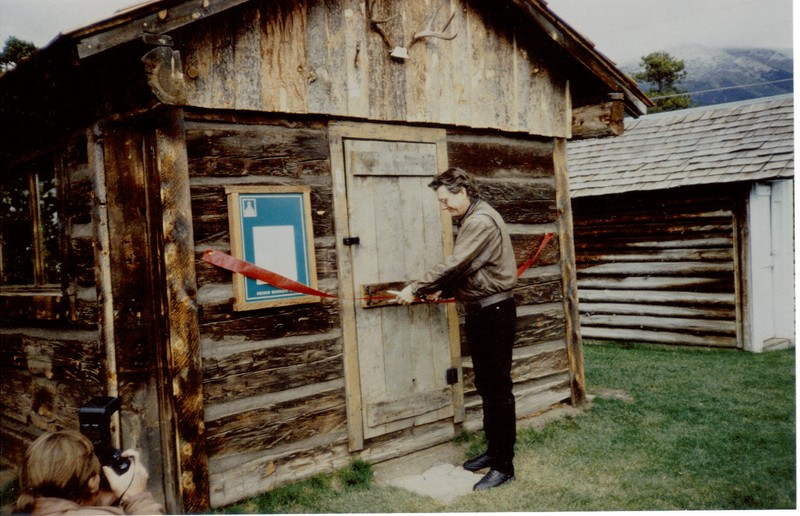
480,304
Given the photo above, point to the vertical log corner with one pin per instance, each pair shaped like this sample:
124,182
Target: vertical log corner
184,368
569,274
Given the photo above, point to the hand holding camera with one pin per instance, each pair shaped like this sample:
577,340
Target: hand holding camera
118,466
132,481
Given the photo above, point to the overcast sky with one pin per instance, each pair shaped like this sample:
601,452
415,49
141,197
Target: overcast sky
626,30
623,30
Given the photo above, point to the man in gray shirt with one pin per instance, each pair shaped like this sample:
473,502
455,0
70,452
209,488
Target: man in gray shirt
480,274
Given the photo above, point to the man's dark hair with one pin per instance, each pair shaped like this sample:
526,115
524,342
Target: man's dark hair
454,179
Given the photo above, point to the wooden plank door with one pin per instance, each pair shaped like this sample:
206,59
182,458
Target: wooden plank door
403,353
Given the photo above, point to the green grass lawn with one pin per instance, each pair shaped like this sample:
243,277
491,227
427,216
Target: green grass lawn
684,429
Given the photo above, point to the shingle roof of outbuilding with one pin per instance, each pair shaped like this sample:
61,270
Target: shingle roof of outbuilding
741,141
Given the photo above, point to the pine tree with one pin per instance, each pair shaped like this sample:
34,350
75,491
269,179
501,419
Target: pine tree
664,72
14,51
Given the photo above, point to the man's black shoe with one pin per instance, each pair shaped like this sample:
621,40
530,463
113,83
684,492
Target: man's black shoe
492,479
478,463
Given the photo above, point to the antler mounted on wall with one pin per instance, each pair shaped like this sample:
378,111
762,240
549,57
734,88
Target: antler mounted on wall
401,52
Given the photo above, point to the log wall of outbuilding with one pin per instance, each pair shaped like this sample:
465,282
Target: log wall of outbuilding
661,267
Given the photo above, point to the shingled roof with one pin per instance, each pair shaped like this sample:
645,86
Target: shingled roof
742,141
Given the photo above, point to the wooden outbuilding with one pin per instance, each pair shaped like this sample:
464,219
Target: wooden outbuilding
684,228
138,143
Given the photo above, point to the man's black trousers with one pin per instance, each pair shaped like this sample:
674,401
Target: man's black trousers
490,334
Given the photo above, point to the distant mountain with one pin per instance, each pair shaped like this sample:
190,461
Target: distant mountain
757,72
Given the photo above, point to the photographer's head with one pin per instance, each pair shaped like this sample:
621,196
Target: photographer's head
59,465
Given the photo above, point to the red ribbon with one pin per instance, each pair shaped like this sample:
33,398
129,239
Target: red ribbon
253,271
524,266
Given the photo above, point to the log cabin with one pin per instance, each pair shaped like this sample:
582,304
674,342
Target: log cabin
684,228
176,128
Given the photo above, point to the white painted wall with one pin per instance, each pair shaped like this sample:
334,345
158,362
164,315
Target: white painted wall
771,309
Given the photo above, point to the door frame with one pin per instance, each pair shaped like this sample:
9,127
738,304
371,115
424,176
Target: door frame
337,133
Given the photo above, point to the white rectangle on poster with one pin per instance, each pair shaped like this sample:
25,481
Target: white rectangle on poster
274,250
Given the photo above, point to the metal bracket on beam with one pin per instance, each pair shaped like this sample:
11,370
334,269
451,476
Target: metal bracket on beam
157,40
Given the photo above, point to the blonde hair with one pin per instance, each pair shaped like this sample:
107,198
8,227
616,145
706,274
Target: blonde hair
59,465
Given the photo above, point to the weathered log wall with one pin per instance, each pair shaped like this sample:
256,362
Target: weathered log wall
516,176
274,378
320,57
659,267
51,358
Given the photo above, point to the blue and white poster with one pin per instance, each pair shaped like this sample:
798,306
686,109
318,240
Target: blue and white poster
273,232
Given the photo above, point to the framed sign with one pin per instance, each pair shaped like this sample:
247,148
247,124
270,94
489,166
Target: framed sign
270,226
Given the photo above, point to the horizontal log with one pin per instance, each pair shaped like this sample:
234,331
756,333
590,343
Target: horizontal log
521,201
712,312
658,297
271,369
537,396
528,363
240,149
698,199
540,323
652,212
597,254
21,308
219,322
530,398
655,225
658,337
678,324
238,477
526,245
653,283
490,156
612,245
540,364
657,268
284,422
527,293
48,374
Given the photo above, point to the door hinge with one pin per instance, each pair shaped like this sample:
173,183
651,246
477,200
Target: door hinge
452,376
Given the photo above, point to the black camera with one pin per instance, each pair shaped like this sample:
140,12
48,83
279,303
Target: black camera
95,423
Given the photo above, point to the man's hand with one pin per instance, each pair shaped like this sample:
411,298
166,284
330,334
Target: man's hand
406,296
434,297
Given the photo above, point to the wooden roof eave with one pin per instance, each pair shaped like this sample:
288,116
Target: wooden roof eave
580,48
152,18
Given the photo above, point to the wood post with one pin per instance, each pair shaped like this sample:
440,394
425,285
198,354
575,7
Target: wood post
569,274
